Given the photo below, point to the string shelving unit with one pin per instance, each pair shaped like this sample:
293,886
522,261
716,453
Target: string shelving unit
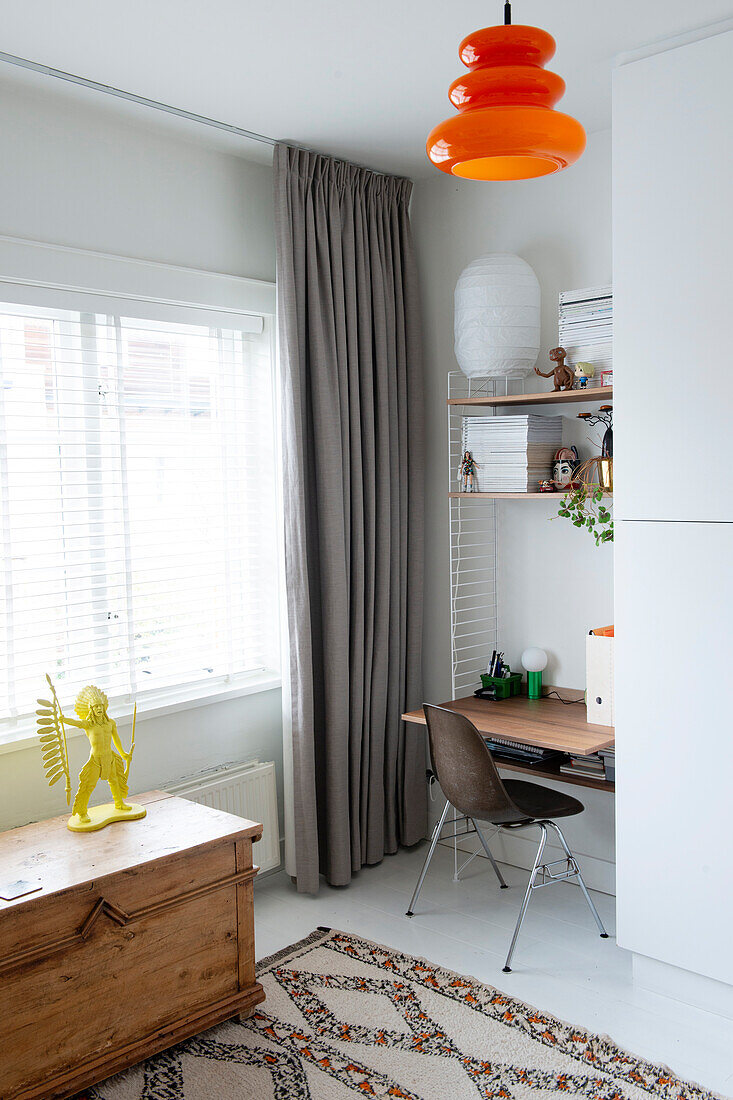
473,523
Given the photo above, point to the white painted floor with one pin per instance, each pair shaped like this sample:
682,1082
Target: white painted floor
561,965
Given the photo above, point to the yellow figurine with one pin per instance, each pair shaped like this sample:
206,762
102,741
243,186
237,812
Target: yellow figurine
103,763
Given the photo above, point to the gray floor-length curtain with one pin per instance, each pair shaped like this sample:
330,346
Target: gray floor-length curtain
352,415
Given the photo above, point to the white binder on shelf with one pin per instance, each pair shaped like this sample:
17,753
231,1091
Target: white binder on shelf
599,680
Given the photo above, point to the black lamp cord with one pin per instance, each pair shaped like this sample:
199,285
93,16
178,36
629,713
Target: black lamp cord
567,702
507,13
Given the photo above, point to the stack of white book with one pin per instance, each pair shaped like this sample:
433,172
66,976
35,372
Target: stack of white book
585,327
513,453
592,766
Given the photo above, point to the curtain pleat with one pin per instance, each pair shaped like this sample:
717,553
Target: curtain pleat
352,415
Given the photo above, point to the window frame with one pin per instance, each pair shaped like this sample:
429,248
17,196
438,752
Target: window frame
46,276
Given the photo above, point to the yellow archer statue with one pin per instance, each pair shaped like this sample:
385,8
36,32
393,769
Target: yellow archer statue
103,763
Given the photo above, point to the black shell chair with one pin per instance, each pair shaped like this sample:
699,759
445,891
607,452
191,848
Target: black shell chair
467,774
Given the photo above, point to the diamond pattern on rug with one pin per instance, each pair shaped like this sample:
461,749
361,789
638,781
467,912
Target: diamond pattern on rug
424,1037
346,1017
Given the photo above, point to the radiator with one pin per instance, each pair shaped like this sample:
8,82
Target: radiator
247,790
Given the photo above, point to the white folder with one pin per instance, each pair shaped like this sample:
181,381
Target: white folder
599,680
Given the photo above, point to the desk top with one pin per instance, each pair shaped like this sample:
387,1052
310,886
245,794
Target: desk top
547,723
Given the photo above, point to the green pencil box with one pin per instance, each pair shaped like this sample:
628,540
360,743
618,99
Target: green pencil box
504,685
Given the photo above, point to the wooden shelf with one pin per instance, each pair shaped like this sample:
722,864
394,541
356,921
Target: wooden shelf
549,397
503,496
511,496
552,771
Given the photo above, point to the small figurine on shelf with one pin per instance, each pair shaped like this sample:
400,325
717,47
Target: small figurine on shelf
547,485
103,763
564,467
466,473
583,373
561,372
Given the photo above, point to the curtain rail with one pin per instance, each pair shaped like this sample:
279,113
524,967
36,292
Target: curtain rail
131,97
166,108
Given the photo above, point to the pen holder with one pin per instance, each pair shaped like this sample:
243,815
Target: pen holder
504,685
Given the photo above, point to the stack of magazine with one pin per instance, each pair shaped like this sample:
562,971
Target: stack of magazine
512,453
591,766
585,327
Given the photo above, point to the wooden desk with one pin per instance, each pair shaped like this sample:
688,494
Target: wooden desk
546,723
138,936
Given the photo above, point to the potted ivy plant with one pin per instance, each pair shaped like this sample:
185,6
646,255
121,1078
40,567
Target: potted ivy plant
584,500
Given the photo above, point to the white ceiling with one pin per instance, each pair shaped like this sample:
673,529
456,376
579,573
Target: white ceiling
364,81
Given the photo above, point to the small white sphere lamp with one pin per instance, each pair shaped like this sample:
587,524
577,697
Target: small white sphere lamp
534,660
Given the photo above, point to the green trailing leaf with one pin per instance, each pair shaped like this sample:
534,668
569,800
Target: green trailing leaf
584,508
44,703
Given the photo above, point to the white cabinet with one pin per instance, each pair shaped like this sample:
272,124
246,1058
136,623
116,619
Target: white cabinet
673,283
674,743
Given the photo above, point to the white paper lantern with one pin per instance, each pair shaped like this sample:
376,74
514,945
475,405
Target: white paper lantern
497,318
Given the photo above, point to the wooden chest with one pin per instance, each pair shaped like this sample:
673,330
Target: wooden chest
140,935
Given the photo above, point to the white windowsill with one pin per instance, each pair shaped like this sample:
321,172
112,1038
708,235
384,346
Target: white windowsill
23,736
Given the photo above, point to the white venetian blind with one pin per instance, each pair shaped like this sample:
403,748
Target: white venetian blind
137,497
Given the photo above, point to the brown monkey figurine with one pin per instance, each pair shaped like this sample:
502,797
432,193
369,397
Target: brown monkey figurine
563,375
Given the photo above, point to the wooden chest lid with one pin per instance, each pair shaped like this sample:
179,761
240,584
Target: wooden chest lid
46,853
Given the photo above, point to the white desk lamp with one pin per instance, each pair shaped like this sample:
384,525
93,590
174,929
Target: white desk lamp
534,660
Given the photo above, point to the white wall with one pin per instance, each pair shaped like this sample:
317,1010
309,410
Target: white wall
87,176
554,584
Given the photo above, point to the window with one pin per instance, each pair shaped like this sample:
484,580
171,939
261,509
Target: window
137,505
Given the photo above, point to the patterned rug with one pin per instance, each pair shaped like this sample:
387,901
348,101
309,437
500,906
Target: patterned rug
345,1017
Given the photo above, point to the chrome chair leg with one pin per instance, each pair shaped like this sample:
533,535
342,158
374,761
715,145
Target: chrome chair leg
581,882
433,842
527,894
456,871
493,862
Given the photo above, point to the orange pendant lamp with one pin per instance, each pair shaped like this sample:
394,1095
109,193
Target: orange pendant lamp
506,127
